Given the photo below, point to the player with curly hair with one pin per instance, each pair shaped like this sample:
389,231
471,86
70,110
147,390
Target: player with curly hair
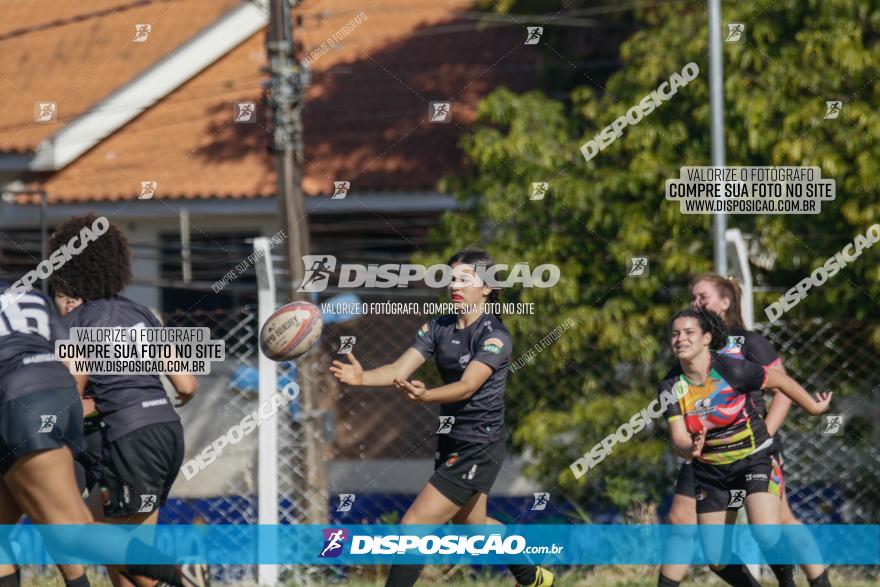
141,436
41,432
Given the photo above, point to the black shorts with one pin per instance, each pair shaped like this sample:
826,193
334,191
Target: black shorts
42,420
139,469
684,484
722,487
463,468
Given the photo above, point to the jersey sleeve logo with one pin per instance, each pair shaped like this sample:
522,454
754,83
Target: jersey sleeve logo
734,346
493,345
424,329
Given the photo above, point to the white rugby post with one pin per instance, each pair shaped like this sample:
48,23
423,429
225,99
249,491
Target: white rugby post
267,446
739,256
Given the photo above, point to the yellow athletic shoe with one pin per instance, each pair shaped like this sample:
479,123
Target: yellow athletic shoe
543,578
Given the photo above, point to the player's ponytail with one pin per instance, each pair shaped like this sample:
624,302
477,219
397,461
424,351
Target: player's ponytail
709,322
729,289
478,259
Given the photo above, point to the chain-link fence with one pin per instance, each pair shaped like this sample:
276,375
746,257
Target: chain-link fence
377,445
374,435
832,466
832,463
224,492
351,426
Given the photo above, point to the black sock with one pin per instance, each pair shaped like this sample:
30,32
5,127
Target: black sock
164,573
820,581
402,575
665,581
82,581
784,575
13,580
524,574
736,574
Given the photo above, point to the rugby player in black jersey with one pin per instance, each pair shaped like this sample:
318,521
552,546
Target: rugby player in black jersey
472,351
40,431
716,423
141,435
40,425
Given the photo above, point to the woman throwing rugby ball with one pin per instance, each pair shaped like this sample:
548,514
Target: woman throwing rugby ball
716,424
472,351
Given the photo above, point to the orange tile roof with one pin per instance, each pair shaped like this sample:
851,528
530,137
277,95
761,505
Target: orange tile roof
365,119
75,53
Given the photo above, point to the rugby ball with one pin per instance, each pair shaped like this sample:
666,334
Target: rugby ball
291,331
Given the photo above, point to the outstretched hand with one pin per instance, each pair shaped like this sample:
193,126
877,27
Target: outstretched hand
350,373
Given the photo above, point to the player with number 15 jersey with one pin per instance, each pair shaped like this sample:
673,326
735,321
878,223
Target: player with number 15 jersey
40,408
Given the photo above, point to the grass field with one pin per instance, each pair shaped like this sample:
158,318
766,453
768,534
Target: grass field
622,576
602,579
583,582
629,576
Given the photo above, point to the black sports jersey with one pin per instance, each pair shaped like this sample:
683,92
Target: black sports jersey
125,402
745,344
479,418
734,428
754,347
28,330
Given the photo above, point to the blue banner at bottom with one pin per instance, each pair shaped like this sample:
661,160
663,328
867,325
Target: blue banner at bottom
449,544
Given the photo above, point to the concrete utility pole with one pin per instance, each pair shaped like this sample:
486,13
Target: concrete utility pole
716,106
286,97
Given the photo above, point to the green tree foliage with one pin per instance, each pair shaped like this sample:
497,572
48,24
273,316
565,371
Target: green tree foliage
797,54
